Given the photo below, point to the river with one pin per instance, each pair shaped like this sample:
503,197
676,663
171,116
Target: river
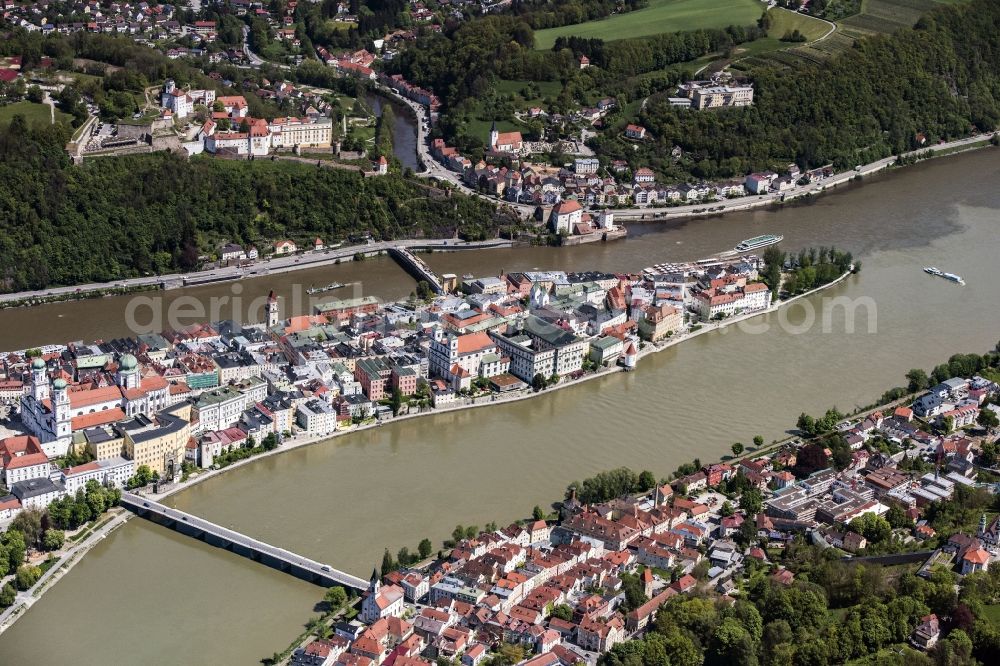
404,130
148,595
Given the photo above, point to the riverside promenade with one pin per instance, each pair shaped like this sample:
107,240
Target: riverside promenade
276,265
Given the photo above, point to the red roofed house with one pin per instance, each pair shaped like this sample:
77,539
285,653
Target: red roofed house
565,215
320,652
646,613
600,635
381,601
459,358
505,142
635,132
23,459
975,559
235,105
925,636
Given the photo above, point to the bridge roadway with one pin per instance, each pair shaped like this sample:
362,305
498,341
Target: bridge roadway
417,268
241,544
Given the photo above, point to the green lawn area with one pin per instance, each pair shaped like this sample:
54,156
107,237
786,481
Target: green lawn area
481,128
783,21
342,26
992,613
48,564
660,16
35,114
527,94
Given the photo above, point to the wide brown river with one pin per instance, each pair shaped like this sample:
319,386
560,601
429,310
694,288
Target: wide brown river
148,595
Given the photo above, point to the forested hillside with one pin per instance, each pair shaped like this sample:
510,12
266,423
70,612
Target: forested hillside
120,217
941,79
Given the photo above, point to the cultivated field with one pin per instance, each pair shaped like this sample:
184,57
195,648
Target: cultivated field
885,16
660,16
877,17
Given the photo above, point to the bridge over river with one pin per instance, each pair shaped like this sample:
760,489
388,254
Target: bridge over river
241,544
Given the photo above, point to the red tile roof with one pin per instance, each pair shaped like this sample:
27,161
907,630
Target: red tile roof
102,417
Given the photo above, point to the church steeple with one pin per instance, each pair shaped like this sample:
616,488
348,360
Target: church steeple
373,583
494,135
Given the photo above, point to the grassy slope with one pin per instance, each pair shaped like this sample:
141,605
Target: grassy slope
783,21
36,114
660,16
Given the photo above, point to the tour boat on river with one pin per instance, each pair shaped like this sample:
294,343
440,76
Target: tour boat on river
758,242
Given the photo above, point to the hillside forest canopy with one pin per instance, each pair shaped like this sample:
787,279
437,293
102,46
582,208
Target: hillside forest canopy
135,215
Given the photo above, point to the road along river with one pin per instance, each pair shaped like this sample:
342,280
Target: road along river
149,595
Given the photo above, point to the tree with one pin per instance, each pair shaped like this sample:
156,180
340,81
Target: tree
872,527
53,539
396,401
947,424
731,644
26,576
388,565
270,442
896,517
758,441
7,595
335,598
13,540
29,523
424,291
726,509
635,596
646,480
537,513
751,501
563,612
808,459
143,476
538,382
737,448
425,548
458,533
988,418
917,380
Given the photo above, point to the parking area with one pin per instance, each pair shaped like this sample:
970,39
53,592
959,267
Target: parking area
105,135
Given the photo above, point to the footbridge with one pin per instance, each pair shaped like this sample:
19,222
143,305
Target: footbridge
241,544
416,267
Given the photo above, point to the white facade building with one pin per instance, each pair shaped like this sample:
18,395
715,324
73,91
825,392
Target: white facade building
113,472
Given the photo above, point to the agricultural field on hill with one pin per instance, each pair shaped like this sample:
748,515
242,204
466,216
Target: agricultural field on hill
660,16
784,21
876,17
